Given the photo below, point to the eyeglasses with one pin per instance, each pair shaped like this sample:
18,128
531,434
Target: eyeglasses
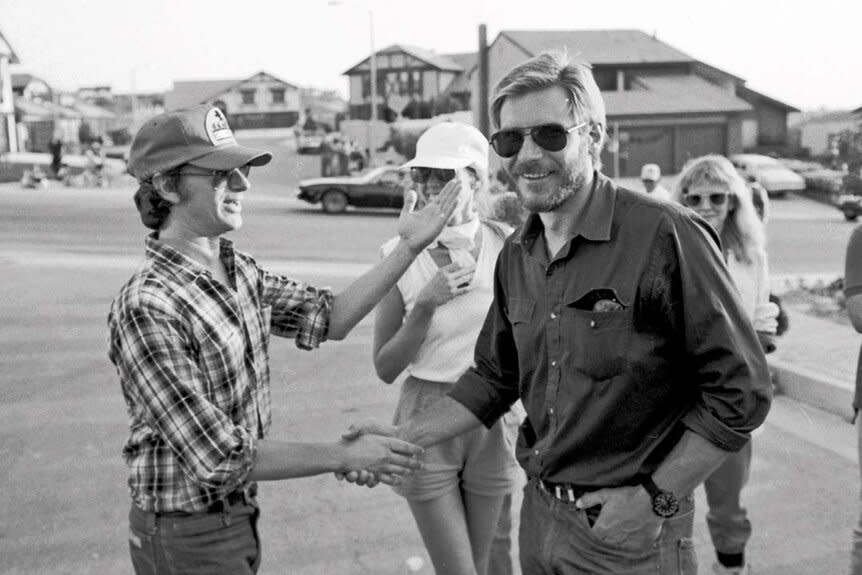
695,200
220,177
551,137
421,175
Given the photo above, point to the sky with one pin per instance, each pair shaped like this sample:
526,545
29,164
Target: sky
806,56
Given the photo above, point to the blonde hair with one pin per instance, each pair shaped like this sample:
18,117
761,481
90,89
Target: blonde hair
550,69
742,233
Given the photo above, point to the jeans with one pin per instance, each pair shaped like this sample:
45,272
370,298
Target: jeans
556,539
500,561
225,543
727,519
856,550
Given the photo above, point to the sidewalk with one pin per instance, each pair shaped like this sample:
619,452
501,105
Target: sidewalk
815,362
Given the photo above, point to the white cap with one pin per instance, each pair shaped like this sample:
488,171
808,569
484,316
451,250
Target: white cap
449,146
651,172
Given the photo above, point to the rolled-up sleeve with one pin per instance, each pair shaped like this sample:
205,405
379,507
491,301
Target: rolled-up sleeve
490,387
153,355
722,352
298,311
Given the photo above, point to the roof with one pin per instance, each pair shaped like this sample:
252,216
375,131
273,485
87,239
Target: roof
467,60
682,94
439,61
20,79
598,47
745,91
6,48
192,92
830,116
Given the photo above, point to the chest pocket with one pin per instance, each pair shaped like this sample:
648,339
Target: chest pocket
601,340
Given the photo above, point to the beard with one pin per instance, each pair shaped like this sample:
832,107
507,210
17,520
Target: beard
574,178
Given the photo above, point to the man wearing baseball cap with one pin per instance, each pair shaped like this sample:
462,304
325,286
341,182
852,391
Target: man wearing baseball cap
189,334
650,176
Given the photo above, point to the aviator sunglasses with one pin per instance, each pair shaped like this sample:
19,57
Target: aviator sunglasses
219,177
422,174
694,200
551,137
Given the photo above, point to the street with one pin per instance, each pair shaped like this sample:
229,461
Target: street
63,422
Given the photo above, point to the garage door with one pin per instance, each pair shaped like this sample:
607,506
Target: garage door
694,141
639,146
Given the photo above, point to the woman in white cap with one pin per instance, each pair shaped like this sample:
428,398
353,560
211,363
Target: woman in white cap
427,327
712,187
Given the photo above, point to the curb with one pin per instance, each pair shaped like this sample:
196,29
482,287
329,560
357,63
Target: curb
814,389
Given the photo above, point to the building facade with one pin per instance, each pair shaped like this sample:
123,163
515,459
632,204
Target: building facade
8,130
260,101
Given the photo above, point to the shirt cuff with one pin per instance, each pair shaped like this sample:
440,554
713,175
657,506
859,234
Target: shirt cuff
702,422
479,397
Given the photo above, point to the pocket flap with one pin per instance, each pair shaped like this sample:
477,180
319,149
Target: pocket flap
520,310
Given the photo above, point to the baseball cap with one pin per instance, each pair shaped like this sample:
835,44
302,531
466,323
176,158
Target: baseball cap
449,146
199,136
651,172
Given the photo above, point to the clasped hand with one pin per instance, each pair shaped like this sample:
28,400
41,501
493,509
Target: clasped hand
450,281
370,476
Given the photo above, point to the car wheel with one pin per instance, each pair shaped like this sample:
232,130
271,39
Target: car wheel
333,201
850,215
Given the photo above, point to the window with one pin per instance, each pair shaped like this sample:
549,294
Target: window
277,95
606,79
247,96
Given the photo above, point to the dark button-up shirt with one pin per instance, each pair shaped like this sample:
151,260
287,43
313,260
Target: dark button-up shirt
633,332
192,358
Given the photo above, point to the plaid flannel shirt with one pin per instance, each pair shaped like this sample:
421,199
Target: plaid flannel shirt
192,356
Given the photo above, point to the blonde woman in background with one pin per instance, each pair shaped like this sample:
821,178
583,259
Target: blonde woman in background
711,186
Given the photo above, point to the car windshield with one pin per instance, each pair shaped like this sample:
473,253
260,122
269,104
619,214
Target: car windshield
376,173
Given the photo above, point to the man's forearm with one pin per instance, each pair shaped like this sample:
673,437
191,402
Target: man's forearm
285,460
360,297
444,420
690,462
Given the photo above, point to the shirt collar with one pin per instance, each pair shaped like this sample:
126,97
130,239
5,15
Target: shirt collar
593,222
179,265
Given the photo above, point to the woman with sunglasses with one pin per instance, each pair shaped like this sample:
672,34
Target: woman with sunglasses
427,326
712,187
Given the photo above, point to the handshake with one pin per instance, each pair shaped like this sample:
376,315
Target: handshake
376,455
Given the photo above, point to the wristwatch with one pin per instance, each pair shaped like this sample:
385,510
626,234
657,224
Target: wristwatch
664,503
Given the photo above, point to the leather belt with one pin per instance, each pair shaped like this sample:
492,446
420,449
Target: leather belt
565,492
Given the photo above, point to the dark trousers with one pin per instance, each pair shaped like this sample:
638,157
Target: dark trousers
222,543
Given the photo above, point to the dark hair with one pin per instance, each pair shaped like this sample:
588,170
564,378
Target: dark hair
152,207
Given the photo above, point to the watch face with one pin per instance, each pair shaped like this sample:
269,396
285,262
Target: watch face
664,504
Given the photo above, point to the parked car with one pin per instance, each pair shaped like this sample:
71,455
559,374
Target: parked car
850,197
379,188
769,172
309,142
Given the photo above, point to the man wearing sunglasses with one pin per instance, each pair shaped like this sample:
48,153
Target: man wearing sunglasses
616,323
189,335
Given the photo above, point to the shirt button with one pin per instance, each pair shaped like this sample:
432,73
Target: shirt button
551,411
592,323
554,363
536,452
553,315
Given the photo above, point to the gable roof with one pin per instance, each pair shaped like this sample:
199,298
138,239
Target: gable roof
681,94
439,61
6,48
598,47
187,93
467,60
747,92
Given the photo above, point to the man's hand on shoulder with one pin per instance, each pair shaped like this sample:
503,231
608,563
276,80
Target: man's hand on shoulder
626,519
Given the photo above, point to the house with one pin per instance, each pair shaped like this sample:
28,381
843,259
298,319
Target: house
663,106
816,132
411,82
259,101
8,131
31,87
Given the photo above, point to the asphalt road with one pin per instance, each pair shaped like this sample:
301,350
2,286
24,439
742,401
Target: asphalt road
62,420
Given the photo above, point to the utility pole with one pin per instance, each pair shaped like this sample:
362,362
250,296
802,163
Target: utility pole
484,117
373,64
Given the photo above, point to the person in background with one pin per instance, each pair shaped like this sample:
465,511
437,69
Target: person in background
651,177
712,187
189,336
596,297
56,149
427,327
853,294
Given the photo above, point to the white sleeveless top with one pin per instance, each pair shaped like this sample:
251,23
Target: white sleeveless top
447,351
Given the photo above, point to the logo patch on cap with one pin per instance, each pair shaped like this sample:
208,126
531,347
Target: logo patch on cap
217,129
